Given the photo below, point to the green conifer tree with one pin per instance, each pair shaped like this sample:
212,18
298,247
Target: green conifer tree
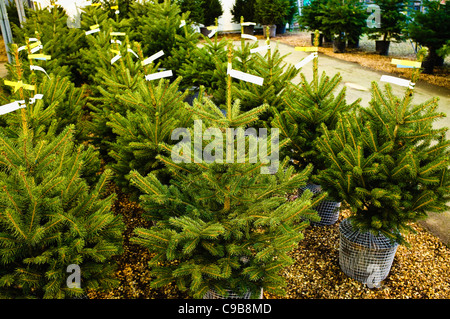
226,225
306,107
59,41
276,74
60,103
388,162
154,110
51,218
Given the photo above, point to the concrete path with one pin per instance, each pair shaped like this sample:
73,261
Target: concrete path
354,75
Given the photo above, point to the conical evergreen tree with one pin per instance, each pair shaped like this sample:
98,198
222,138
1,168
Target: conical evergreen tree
276,74
154,110
388,162
50,219
53,102
59,41
227,226
305,108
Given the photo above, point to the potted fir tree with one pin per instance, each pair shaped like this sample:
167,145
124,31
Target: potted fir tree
431,29
212,10
340,19
391,167
246,9
269,13
222,227
306,107
310,19
289,18
392,21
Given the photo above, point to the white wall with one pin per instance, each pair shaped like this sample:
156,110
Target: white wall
225,23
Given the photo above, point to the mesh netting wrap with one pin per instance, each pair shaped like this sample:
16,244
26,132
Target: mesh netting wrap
327,210
364,256
212,294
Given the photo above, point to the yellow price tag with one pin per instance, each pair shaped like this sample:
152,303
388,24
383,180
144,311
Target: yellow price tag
213,27
118,34
95,26
20,84
307,49
414,64
96,4
39,56
115,8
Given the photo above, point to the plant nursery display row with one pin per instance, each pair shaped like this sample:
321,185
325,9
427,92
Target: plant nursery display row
137,135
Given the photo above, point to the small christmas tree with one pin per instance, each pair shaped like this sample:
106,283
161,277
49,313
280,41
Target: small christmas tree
53,101
200,68
49,26
276,74
51,219
220,225
154,111
306,107
388,163
155,26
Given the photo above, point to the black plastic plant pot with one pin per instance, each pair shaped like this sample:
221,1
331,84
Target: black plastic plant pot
363,256
338,45
205,31
249,29
382,47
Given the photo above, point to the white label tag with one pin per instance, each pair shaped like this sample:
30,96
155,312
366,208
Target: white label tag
36,97
212,33
22,48
36,49
38,68
131,51
117,57
116,41
306,60
259,49
398,81
92,31
183,23
159,75
11,107
153,58
248,36
245,77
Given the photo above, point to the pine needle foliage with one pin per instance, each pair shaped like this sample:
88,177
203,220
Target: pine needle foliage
222,226
62,102
50,218
388,162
